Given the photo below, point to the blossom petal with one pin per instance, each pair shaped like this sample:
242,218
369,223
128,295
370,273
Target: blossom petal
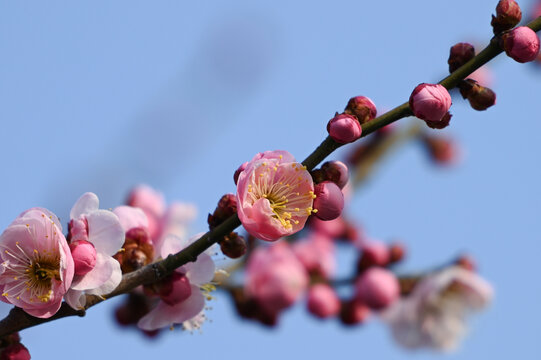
86,204
110,284
164,315
172,244
76,299
131,217
105,232
105,265
201,271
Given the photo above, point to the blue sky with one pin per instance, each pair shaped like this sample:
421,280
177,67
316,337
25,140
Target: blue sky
100,96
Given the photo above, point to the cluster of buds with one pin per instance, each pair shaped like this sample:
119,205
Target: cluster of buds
232,245
346,127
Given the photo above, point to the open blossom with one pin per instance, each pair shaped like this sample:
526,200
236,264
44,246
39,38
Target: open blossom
275,195
37,267
275,278
95,236
182,294
433,315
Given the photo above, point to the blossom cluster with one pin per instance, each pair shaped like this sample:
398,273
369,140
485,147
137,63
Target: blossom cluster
41,267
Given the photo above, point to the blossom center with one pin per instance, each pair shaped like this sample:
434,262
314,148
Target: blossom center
284,189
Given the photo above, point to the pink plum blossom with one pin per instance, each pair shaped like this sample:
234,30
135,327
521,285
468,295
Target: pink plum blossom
434,314
317,254
95,235
37,267
275,195
274,277
430,101
183,293
152,203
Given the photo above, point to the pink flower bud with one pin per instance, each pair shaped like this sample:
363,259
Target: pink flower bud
15,351
521,44
344,128
337,172
508,14
84,256
329,200
430,101
323,301
460,54
362,108
377,288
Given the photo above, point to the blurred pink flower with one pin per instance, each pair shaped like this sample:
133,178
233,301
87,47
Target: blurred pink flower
317,254
323,301
434,314
275,277
94,234
182,294
275,195
37,267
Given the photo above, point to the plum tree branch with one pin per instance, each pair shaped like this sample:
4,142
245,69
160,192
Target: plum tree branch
18,320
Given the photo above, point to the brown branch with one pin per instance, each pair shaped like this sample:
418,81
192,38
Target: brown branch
18,320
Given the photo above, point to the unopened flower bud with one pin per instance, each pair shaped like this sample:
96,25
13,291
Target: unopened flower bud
508,15
480,97
344,128
377,287
397,252
354,312
337,172
323,301
362,108
375,253
441,150
329,200
521,44
233,246
430,102
238,171
460,54
134,308
174,289
84,256
227,206
15,351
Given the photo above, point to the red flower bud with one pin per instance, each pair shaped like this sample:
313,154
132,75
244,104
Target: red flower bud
377,288
362,108
233,246
521,44
430,102
508,15
329,200
344,128
460,54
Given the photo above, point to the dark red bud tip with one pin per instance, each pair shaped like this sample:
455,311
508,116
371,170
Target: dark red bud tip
397,252
460,54
15,351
